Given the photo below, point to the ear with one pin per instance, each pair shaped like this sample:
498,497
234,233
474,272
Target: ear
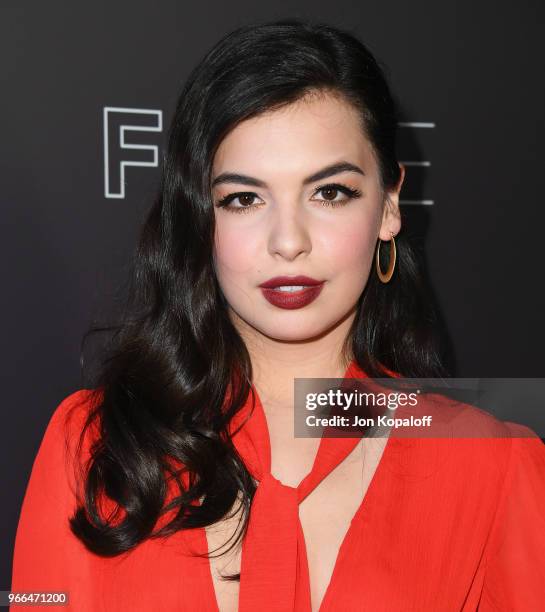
391,217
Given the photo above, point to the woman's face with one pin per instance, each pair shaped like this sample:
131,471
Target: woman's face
285,220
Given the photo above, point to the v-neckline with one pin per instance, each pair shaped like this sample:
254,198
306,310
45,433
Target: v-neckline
311,481
365,502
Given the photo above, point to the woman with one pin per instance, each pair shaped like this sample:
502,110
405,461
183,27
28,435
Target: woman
182,485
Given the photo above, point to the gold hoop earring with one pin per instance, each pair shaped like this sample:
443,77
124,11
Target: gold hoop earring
386,276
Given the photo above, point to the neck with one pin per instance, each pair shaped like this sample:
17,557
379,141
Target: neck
276,364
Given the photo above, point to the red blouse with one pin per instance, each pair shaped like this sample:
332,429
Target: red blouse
447,524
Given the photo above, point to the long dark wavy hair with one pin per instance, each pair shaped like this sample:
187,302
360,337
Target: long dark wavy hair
173,353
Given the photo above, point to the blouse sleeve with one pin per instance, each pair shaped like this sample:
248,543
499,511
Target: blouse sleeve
515,574
47,556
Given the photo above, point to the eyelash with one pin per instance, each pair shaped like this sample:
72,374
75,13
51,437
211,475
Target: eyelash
348,191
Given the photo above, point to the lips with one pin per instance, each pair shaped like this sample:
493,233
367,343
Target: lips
291,292
285,281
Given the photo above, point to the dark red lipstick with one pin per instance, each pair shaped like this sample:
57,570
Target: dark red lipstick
276,291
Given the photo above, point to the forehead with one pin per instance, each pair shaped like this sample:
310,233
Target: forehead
296,138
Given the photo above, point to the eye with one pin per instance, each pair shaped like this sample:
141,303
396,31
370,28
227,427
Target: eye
333,190
245,199
330,192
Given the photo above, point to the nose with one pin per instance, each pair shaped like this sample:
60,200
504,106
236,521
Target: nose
289,237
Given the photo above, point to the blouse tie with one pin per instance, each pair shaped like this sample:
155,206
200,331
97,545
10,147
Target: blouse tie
274,565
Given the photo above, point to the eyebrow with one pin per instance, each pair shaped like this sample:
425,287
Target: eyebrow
337,168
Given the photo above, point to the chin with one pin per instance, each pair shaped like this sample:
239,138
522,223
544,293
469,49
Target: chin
300,325
295,332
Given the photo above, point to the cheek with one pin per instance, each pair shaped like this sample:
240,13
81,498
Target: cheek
234,251
349,247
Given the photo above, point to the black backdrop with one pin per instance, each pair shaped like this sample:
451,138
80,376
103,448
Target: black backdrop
470,72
